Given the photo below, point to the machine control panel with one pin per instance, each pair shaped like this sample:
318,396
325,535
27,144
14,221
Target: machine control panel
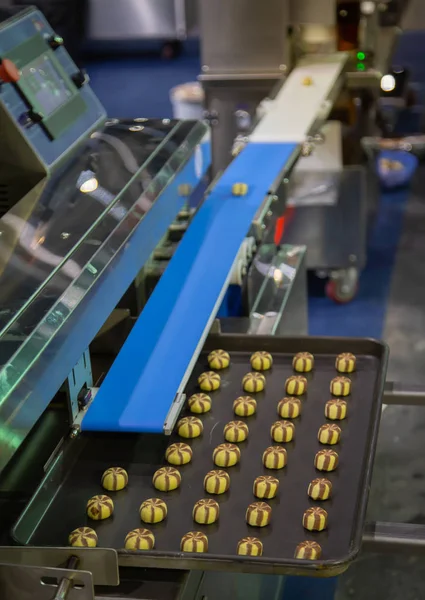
42,90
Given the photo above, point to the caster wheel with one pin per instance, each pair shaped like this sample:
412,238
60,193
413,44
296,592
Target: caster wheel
342,287
171,50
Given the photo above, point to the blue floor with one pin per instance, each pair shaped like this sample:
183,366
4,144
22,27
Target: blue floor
140,87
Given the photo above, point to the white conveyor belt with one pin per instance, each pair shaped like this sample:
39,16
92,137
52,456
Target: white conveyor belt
304,97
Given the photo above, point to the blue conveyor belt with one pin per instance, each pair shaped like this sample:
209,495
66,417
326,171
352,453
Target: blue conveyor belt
142,383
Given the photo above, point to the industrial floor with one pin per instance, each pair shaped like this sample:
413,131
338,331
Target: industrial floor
390,305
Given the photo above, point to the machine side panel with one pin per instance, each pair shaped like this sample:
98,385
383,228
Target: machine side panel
156,359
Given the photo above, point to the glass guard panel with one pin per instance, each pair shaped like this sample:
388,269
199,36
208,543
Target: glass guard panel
57,248
273,273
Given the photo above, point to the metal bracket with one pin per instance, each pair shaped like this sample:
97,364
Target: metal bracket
211,117
101,563
173,413
79,382
22,582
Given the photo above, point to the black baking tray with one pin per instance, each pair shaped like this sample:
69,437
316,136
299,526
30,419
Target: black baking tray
58,506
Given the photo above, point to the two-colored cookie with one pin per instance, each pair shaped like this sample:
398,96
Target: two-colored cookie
178,454
218,359
226,455
236,431
320,489
261,361
250,546
308,550
206,511
345,362
194,541
289,408
326,460
114,479
282,431
340,386
303,362
253,382
139,539
329,434
315,519
336,409
244,406
199,403
265,486
296,385
258,514
190,427
274,457
100,507
216,482
153,510
83,537
166,479
209,381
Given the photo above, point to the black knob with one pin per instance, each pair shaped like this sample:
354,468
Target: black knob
80,78
55,41
35,117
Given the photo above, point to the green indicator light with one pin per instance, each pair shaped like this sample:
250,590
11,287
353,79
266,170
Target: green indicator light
361,55
361,67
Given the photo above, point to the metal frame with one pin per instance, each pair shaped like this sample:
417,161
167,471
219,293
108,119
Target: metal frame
397,537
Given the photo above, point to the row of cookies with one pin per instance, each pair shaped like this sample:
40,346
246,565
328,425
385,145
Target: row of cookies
193,542
255,382
302,362
288,407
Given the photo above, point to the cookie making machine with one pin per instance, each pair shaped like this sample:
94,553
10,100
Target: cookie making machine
330,191
87,202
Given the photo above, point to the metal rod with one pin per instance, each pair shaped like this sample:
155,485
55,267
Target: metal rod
394,537
398,393
65,584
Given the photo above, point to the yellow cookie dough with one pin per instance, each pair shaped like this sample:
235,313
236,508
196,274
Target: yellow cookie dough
178,454
245,406
83,537
166,479
253,382
218,359
100,507
206,511
153,510
189,427
261,361
114,479
139,539
199,403
209,381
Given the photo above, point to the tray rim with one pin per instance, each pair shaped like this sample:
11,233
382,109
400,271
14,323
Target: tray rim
264,565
